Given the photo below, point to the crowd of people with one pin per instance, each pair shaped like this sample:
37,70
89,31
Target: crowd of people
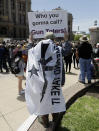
73,52
9,50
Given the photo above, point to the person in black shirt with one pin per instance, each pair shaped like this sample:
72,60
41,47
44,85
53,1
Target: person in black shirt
84,53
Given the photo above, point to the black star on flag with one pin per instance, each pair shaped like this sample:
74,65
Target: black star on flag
33,71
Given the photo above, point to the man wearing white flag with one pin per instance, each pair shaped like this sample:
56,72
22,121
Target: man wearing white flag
43,81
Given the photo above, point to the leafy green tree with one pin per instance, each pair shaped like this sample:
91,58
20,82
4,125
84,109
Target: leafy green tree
77,37
88,35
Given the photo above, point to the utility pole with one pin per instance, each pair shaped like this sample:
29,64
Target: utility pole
78,28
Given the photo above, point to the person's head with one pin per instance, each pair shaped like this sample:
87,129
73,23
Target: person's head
84,38
12,45
1,45
49,35
24,46
57,43
9,45
19,46
97,45
62,41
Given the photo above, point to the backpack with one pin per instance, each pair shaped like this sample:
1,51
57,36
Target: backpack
66,49
15,66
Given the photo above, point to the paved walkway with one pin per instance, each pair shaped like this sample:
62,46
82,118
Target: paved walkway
13,110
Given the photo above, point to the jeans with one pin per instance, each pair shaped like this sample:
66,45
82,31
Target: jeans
85,69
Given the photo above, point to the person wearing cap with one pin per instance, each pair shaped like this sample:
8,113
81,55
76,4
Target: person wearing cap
84,53
45,98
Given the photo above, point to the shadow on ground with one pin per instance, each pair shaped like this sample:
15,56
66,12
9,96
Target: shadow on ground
70,73
5,73
94,91
77,68
63,129
21,98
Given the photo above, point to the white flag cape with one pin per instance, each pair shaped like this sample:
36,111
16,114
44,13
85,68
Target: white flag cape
43,80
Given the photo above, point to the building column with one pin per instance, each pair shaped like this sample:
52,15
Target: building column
26,18
16,9
16,6
28,8
94,35
9,10
4,7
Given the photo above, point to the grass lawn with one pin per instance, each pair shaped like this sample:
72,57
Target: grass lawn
83,115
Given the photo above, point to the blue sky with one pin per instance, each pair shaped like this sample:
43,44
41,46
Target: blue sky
84,12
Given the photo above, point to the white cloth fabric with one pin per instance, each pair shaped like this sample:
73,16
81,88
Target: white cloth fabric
53,100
